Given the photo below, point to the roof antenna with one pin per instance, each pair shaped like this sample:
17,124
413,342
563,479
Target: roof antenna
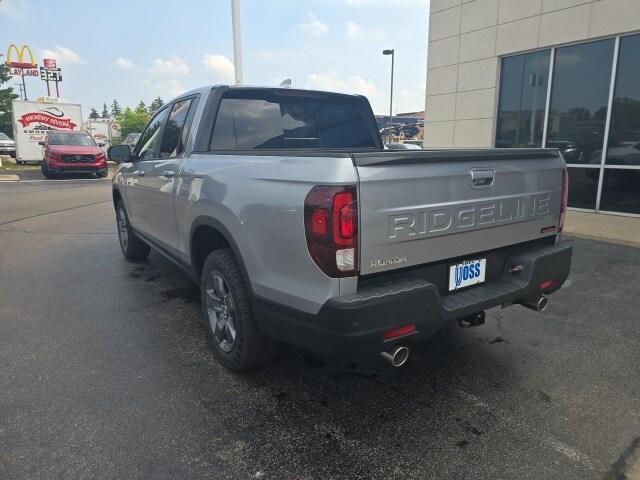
286,83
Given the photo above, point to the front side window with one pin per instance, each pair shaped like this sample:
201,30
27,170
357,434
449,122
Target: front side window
174,135
254,120
523,91
149,143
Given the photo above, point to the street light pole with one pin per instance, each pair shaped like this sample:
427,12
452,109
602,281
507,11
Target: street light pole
237,44
392,53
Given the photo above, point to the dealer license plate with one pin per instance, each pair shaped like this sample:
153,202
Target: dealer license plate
467,273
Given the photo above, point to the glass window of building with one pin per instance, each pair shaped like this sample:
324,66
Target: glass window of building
621,187
523,92
578,113
579,98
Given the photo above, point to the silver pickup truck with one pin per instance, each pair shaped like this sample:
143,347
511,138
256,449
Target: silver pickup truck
299,227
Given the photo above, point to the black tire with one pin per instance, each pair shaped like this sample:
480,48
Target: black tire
46,172
132,247
102,174
250,347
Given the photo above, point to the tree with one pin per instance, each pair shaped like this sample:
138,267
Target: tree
141,108
94,114
105,112
115,109
6,96
156,105
132,121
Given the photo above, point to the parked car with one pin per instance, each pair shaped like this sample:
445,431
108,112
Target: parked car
7,145
402,146
131,139
300,228
72,152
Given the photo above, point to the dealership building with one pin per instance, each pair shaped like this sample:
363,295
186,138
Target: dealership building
535,73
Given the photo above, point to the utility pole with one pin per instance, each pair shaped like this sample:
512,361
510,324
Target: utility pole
21,94
392,53
237,43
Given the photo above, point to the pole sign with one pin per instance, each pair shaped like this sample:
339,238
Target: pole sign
49,63
18,64
49,75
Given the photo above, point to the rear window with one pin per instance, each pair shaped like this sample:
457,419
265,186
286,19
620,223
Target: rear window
270,119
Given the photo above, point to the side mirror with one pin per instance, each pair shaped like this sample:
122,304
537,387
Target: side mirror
101,144
42,143
119,153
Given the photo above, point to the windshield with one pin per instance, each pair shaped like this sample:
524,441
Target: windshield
71,139
3,136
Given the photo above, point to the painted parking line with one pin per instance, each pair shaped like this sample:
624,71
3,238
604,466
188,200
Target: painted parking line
9,178
15,178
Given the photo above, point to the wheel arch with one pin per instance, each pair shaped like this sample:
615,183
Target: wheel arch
208,234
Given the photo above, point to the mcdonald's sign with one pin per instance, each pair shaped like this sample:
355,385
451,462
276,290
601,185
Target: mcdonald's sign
19,53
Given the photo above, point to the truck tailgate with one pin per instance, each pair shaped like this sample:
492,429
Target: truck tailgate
423,206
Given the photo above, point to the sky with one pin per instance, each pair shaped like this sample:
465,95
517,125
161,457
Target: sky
140,49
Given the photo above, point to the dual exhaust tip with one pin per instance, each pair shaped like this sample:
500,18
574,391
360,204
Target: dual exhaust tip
398,355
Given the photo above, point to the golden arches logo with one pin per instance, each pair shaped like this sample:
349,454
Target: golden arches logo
20,54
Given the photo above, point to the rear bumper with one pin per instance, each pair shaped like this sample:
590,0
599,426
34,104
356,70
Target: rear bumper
354,324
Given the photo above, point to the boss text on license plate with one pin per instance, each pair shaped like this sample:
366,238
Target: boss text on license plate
469,272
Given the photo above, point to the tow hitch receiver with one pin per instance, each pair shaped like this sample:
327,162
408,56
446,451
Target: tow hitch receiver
474,320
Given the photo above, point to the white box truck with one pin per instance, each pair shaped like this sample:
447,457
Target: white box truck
33,120
102,131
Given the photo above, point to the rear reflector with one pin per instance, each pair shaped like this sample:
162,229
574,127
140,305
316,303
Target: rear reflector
548,284
399,332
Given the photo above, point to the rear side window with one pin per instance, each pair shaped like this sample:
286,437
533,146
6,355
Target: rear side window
254,120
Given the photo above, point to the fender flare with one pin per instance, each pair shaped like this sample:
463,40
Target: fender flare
219,226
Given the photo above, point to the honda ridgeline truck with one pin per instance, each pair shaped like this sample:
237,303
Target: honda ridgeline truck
283,205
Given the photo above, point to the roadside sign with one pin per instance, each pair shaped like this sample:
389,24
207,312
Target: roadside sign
49,63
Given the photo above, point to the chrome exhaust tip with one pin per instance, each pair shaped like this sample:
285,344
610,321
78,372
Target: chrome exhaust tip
397,356
539,305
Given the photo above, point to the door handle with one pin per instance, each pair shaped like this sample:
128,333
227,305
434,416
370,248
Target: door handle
168,173
139,173
481,177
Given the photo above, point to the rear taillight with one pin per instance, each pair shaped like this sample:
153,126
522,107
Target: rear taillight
331,226
564,200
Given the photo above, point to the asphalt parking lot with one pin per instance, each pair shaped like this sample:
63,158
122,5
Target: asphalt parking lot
105,373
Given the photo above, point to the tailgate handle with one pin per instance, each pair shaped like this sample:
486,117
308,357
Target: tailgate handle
481,177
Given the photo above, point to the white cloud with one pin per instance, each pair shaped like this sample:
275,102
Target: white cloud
353,30
124,63
352,84
13,8
171,66
62,54
220,65
313,26
168,89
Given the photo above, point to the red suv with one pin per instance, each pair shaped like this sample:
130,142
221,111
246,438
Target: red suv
72,152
